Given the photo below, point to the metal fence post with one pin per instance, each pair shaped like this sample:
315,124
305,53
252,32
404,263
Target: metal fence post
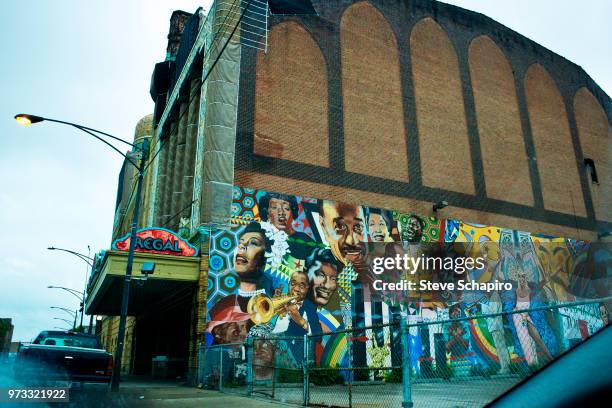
221,368
305,363
200,377
351,371
249,356
406,389
275,362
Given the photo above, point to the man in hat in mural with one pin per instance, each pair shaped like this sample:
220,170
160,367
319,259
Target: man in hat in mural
227,323
264,352
603,313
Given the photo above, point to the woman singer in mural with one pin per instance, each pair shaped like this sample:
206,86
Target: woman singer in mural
249,262
379,225
281,211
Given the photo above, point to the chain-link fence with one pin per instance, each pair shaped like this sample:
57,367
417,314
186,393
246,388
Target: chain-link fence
466,360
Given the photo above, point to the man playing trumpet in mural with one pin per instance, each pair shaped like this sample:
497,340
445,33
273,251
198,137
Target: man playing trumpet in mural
301,315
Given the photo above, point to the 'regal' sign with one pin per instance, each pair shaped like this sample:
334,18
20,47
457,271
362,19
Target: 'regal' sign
157,241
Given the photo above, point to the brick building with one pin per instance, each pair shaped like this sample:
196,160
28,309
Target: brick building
389,104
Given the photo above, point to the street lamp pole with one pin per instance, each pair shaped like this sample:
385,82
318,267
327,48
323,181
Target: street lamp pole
126,283
70,312
78,295
26,119
89,261
67,321
81,256
73,292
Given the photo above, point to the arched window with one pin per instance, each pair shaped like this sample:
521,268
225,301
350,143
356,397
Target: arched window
374,135
291,98
443,139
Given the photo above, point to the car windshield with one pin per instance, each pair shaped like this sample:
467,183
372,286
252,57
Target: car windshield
69,341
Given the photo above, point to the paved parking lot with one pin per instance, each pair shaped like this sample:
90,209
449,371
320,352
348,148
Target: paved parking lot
475,392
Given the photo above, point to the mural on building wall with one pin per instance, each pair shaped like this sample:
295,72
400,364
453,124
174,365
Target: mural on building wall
313,256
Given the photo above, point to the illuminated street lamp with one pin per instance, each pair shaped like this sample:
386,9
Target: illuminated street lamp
26,120
141,154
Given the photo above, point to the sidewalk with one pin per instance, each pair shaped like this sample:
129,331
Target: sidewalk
163,394
197,398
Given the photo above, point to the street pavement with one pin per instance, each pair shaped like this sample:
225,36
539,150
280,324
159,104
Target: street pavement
473,392
142,392
137,392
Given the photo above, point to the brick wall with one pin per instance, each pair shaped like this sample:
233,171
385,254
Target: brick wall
371,84
316,190
420,102
553,143
303,83
595,137
108,336
504,156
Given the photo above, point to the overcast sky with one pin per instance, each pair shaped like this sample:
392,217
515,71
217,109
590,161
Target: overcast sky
91,64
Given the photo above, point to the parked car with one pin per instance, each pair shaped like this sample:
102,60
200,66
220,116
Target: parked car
63,356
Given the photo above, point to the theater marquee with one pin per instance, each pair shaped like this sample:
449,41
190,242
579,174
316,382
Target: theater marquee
157,241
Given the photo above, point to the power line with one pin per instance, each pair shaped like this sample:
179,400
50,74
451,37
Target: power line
165,224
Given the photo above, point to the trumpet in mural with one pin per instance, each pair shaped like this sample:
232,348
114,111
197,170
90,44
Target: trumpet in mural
262,308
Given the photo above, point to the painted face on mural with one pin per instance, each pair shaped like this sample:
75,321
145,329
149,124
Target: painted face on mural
249,253
279,213
263,351
324,282
603,312
343,226
489,251
232,332
413,231
378,228
299,285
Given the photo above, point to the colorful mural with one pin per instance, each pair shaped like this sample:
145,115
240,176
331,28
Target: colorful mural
317,254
